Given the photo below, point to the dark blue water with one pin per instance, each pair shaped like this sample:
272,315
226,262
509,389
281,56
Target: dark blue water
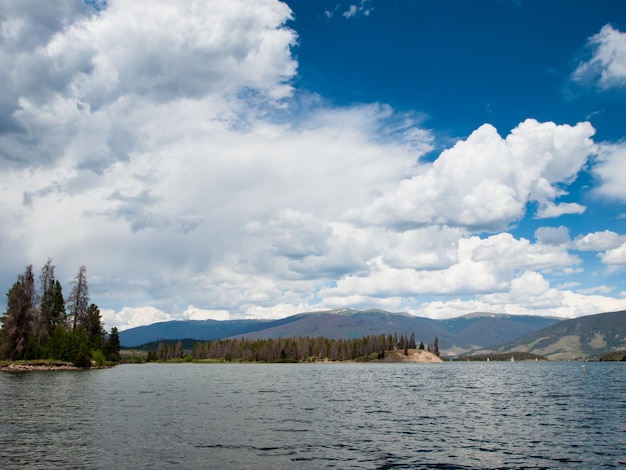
439,416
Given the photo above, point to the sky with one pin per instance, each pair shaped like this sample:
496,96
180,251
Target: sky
223,160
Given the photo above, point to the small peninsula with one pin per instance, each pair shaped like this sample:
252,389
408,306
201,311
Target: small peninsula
413,355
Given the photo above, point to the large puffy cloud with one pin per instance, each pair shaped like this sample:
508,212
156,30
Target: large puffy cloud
216,217
607,64
85,75
486,181
186,50
108,129
26,28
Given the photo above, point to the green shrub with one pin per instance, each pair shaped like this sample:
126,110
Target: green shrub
82,359
98,357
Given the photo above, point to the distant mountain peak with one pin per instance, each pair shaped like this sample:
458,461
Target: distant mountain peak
342,311
485,314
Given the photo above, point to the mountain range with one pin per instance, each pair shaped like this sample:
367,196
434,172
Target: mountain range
553,338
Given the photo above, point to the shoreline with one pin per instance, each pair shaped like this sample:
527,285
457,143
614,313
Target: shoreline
416,356
38,366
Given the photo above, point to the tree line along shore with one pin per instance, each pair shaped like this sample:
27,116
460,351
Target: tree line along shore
296,349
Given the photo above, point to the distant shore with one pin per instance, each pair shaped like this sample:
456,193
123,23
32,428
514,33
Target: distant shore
395,356
388,356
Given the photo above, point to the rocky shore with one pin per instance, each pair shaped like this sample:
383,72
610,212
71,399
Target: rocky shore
36,366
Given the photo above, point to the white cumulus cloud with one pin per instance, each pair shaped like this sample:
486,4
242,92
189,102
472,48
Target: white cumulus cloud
486,181
530,294
599,241
610,168
615,256
607,65
550,210
552,235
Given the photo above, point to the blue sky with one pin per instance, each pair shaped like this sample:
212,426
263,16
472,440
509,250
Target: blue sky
461,63
210,160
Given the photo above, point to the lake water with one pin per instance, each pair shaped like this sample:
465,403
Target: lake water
273,416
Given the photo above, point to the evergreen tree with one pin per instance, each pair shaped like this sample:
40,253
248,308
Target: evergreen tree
112,346
46,277
436,346
42,327
77,348
17,322
71,346
94,329
28,281
57,307
58,343
78,301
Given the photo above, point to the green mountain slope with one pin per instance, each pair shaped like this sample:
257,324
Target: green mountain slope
589,336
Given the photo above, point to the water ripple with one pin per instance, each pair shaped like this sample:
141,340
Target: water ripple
384,416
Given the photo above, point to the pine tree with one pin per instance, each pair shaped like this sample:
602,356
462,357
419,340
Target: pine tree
57,307
112,346
77,348
93,328
43,325
17,322
78,300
